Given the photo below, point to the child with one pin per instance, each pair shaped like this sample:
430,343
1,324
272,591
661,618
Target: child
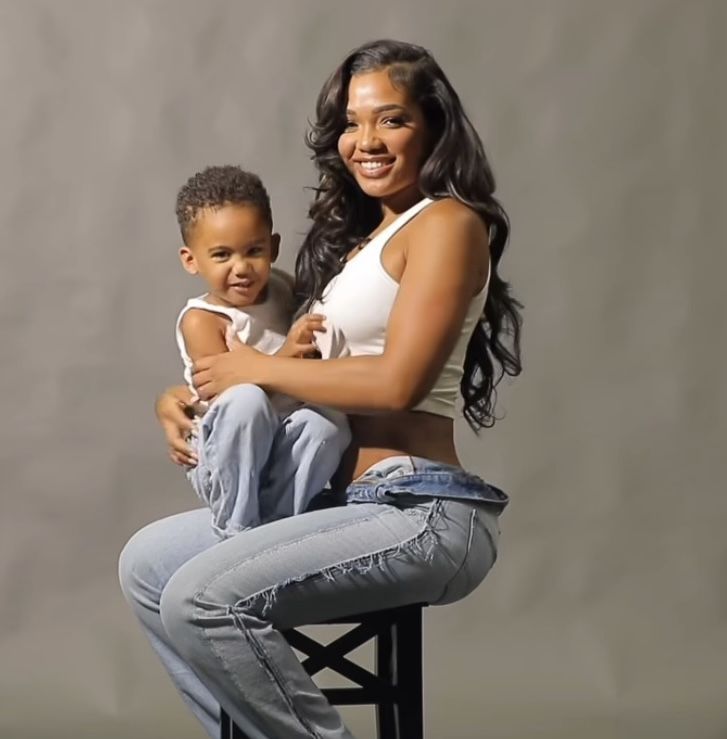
260,457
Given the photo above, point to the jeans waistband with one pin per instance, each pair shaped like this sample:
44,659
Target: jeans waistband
405,475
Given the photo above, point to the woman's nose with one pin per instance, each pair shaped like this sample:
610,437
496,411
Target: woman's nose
369,139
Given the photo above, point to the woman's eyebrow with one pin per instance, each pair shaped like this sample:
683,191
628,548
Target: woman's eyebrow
380,109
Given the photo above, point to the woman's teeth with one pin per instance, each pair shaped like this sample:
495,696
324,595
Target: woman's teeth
371,166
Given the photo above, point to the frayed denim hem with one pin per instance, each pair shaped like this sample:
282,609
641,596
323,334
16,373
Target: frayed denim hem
424,542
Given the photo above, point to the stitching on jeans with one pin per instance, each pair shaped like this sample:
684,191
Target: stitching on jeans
493,549
360,565
369,561
253,644
269,666
348,565
270,550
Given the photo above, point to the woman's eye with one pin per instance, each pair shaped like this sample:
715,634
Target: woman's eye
350,125
393,122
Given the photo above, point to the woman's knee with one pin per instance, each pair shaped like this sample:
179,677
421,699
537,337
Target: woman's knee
138,576
177,611
154,553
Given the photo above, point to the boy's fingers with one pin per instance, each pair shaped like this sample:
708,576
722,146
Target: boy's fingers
306,348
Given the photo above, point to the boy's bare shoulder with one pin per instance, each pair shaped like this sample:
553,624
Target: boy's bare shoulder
199,320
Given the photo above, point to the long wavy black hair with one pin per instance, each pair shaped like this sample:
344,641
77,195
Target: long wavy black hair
456,167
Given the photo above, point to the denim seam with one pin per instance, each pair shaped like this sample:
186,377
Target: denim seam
491,541
269,595
255,647
338,527
361,564
438,477
269,666
214,468
473,518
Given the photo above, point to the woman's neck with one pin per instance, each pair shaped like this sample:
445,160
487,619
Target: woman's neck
393,207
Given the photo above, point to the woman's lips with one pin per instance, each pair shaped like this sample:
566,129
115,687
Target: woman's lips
374,169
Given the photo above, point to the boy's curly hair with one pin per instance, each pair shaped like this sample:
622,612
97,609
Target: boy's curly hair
214,187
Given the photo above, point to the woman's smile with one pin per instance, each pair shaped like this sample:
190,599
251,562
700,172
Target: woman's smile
384,140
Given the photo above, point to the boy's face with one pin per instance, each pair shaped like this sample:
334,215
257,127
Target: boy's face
232,249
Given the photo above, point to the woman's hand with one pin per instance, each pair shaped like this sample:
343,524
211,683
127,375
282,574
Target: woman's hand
171,411
212,375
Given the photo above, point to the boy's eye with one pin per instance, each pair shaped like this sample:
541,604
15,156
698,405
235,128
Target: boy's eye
256,251
219,255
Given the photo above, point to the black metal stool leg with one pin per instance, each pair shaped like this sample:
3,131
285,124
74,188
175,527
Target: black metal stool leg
225,725
396,686
408,662
385,669
229,730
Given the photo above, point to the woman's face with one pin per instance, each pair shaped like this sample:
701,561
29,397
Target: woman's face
384,142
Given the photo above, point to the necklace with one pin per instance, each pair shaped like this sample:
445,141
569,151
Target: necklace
356,249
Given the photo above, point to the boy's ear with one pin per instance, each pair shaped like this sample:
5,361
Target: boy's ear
274,247
188,261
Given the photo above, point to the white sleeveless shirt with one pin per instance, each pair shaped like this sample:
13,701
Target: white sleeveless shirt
263,326
357,303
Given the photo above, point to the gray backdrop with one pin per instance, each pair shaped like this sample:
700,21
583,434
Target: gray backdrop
605,616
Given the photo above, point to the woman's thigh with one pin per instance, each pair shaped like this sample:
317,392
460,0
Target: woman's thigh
338,561
157,551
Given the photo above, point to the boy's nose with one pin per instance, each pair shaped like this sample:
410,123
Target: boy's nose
241,267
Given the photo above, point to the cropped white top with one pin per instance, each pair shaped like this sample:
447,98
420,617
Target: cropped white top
357,303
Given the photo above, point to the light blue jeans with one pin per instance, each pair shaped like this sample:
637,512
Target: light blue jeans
257,464
214,610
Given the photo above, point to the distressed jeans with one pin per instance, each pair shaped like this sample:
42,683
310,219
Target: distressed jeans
257,464
214,610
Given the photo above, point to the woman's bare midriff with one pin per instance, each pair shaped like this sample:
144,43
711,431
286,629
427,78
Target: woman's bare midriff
412,433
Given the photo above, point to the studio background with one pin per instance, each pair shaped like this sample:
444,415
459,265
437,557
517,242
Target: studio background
606,615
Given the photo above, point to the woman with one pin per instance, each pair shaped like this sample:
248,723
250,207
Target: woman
402,258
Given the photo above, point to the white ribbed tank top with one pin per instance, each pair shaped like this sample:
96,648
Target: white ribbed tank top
357,303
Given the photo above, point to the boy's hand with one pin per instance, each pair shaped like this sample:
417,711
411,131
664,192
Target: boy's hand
300,341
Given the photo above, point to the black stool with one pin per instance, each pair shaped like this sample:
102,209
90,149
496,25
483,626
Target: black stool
396,686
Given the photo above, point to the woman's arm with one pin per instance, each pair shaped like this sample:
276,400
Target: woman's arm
170,409
444,266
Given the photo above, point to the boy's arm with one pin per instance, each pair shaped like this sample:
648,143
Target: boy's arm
204,333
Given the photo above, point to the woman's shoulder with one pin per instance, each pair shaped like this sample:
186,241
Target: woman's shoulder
453,217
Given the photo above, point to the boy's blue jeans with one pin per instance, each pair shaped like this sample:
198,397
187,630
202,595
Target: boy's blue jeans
214,610
257,465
